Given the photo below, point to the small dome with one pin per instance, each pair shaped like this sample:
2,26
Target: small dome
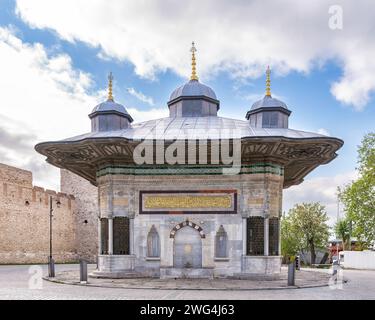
109,115
193,88
268,102
109,106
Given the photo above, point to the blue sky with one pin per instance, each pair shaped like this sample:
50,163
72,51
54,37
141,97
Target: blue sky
155,64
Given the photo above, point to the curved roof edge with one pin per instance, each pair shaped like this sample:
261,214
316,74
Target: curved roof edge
298,156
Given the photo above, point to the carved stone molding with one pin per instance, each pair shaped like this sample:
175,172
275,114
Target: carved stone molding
296,156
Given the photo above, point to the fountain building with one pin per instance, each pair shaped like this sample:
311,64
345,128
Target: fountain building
193,194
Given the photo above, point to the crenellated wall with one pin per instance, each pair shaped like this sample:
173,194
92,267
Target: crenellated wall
24,220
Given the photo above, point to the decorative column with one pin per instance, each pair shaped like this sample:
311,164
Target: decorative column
110,235
131,235
100,236
279,244
100,247
280,215
244,236
266,216
266,236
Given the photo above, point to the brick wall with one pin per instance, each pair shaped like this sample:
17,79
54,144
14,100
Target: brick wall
24,220
86,218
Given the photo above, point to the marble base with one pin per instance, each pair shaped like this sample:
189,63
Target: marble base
116,263
187,273
261,265
114,275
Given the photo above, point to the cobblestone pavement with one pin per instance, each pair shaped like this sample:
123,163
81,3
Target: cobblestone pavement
25,282
303,279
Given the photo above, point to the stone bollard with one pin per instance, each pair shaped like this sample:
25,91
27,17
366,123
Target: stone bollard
83,271
291,273
51,267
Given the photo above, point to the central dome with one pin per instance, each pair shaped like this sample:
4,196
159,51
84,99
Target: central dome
193,99
193,88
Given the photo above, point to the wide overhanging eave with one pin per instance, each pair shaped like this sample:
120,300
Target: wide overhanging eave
298,156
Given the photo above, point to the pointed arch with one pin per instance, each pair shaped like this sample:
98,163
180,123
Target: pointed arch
190,224
221,243
153,243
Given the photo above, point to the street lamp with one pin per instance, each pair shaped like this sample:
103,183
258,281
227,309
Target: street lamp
51,262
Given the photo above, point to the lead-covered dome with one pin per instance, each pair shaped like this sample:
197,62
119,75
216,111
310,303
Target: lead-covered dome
109,115
268,112
193,88
110,106
268,102
193,99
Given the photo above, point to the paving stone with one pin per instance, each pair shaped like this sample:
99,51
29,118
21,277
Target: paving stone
303,279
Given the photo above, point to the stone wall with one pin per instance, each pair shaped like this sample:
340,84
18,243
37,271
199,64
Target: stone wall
87,212
24,220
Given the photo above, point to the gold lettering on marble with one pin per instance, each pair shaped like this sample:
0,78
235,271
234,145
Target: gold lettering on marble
188,202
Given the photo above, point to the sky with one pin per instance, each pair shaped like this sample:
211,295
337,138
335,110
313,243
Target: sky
55,57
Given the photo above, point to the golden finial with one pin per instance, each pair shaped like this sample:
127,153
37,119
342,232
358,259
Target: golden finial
193,63
110,79
268,82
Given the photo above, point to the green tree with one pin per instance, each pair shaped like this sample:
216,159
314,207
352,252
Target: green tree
358,197
291,241
342,230
308,223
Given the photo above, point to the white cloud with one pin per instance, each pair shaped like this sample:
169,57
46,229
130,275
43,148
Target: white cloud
320,189
44,98
239,37
145,115
324,132
141,96
358,81
44,92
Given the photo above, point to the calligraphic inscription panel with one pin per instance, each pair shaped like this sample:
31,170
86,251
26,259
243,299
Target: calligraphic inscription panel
197,201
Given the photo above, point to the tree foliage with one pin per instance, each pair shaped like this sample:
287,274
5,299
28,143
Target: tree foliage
359,196
291,242
343,231
305,227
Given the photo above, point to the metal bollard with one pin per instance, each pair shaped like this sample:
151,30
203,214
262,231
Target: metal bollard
51,267
83,271
291,273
